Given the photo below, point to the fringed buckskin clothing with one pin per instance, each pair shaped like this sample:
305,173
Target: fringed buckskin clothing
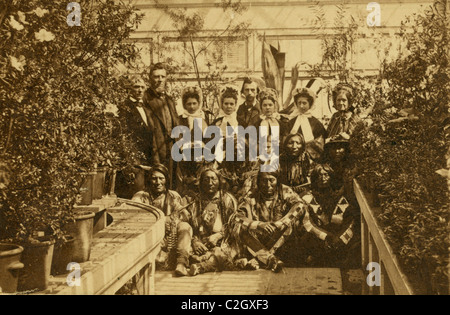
342,122
162,117
295,172
284,210
235,174
208,217
173,246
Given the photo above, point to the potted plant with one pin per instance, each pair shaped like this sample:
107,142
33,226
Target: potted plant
62,255
56,82
10,265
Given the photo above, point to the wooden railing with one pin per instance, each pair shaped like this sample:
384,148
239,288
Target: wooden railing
124,250
375,248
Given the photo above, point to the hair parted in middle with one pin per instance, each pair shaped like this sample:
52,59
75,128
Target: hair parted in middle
292,135
348,90
228,92
211,167
160,168
268,93
192,92
309,94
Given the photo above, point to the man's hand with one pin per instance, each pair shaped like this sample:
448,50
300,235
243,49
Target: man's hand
214,239
199,248
267,227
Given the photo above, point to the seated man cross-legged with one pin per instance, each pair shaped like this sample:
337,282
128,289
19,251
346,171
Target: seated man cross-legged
267,218
175,246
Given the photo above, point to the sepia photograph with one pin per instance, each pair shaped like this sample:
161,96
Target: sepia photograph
224,152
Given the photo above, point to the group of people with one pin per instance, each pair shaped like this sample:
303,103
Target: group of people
232,215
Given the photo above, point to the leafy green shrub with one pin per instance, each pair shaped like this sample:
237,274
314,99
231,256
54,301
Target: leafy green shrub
57,84
405,146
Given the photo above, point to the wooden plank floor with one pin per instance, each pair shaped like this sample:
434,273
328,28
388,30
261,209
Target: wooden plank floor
292,281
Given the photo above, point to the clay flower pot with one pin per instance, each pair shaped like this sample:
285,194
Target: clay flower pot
37,258
82,232
10,266
98,184
62,256
87,189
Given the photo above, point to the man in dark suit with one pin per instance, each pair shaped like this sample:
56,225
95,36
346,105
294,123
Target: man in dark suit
248,113
162,118
134,116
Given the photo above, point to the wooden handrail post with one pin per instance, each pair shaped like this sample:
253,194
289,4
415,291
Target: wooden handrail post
375,248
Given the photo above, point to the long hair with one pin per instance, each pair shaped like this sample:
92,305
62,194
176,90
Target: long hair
160,168
316,173
289,137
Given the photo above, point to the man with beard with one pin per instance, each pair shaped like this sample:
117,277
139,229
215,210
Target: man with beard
162,117
248,113
267,218
174,247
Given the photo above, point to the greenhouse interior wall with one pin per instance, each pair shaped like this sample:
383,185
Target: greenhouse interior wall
290,25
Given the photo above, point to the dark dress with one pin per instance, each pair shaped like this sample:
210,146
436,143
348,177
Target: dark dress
342,122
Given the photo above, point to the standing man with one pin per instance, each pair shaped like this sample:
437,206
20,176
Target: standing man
162,117
248,113
134,117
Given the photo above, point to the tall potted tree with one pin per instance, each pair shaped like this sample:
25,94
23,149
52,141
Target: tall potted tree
56,83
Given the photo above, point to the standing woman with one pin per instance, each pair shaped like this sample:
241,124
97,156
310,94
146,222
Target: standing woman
268,126
344,121
269,109
192,105
227,117
228,106
304,123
